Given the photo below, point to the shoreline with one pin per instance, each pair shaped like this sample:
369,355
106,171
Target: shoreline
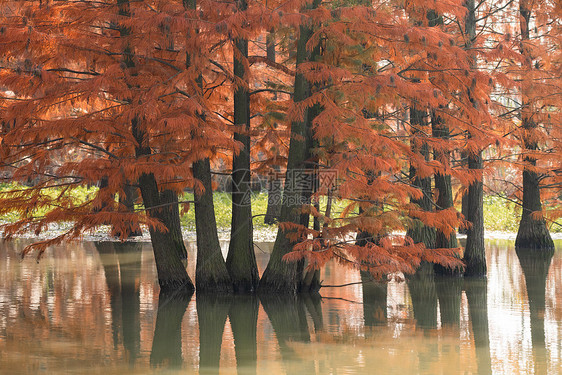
262,234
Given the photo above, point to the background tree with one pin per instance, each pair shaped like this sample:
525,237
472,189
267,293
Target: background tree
532,232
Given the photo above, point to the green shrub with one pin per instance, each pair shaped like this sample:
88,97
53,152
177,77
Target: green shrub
501,214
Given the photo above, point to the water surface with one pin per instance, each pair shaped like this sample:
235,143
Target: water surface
95,307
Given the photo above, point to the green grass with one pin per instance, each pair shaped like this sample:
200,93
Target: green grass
499,214
77,196
223,210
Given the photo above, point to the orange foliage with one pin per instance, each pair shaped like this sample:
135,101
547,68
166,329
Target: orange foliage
70,106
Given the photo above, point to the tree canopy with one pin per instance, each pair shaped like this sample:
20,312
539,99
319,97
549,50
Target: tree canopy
364,101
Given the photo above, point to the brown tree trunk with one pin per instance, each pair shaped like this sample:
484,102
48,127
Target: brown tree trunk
127,202
532,233
170,199
241,260
280,276
169,265
168,252
275,187
274,197
473,202
211,274
445,194
420,232
475,252
464,201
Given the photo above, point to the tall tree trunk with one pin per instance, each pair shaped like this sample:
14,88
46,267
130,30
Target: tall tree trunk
127,202
168,252
241,260
311,279
280,276
444,191
464,199
420,232
475,252
103,185
170,199
211,274
473,202
275,187
532,233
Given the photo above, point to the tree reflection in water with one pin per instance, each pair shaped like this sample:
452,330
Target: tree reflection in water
476,291
71,311
166,345
424,297
243,316
423,294
535,265
288,319
449,290
122,265
212,310
374,300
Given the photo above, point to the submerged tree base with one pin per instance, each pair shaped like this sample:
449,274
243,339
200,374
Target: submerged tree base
534,234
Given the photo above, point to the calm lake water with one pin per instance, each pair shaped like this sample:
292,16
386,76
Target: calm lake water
95,308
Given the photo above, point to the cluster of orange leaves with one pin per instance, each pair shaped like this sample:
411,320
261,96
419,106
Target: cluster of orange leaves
69,100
